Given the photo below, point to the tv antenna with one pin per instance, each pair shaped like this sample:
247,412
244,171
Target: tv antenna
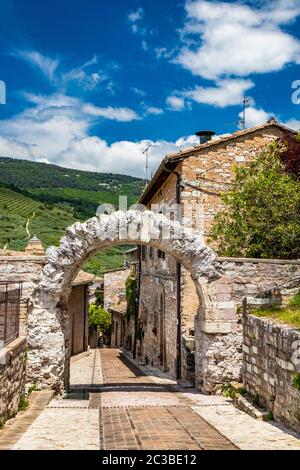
146,153
246,101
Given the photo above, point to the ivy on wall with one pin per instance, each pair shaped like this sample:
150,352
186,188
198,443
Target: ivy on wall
131,295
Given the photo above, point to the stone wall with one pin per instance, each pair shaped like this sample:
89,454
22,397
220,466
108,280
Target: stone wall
12,377
271,357
114,286
22,268
218,355
158,315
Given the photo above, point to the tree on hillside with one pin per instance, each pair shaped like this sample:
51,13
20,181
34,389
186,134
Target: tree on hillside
261,215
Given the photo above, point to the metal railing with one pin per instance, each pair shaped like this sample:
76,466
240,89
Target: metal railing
10,299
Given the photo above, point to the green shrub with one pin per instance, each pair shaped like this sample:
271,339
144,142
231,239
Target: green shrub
261,212
23,403
296,380
99,318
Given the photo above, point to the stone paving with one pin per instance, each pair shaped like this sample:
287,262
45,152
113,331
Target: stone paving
131,407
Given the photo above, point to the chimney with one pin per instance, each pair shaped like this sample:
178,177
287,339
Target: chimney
205,136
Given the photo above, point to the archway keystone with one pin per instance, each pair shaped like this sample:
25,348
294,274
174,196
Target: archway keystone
48,324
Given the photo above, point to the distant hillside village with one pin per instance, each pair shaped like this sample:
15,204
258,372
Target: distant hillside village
192,328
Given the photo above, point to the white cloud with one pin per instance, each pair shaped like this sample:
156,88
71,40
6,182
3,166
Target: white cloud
175,103
226,93
44,64
124,157
233,39
138,91
163,52
87,76
134,19
255,116
293,124
56,129
136,15
154,110
115,114
11,148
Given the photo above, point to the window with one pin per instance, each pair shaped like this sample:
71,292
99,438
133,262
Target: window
10,297
144,252
151,251
161,254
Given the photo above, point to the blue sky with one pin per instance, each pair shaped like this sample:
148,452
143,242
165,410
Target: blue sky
90,84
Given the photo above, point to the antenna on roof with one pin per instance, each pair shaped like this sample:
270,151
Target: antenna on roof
246,101
146,153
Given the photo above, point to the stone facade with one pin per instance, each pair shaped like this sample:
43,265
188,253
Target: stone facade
119,325
194,179
271,357
12,377
114,286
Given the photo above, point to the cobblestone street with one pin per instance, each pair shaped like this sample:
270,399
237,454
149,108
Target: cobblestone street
132,407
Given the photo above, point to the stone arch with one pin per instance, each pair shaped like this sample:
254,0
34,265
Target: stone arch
48,328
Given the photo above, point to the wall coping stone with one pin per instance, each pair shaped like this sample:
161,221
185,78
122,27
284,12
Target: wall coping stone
32,259
12,349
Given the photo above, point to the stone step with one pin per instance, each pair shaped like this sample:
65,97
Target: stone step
244,404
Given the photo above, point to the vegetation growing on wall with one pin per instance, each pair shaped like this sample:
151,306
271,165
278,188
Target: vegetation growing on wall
262,211
289,315
131,296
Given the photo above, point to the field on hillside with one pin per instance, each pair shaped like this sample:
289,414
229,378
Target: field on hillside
44,200
16,203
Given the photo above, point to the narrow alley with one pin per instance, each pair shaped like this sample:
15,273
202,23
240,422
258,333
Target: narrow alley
114,404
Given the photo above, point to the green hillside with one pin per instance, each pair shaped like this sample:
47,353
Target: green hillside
83,190
45,199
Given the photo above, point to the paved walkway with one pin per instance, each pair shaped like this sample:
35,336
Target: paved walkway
132,407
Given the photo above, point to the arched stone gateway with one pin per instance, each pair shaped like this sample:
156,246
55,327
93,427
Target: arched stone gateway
48,327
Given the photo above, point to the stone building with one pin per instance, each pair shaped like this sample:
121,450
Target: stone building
115,303
78,305
119,324
96,288
114,286
191,182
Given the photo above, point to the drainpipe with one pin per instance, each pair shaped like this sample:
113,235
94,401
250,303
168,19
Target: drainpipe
178,281
86,320
137,306
178,276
